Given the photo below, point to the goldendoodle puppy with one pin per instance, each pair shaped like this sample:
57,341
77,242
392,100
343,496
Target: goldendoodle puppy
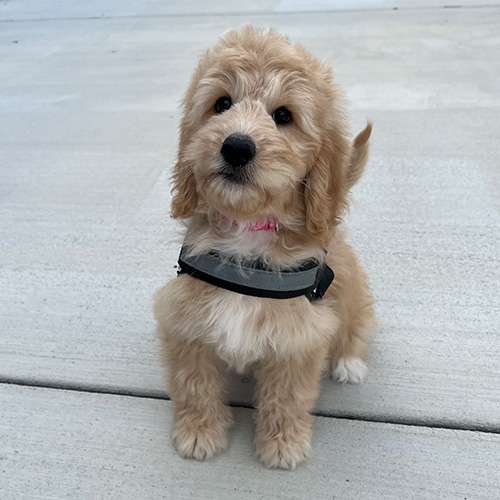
262,180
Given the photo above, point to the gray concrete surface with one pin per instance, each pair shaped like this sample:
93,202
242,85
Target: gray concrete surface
66,444
89,95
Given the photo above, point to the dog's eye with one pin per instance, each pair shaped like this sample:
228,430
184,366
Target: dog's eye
282,116
222,104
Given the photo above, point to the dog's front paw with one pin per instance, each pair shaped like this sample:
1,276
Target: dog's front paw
350,370
284,452
199,439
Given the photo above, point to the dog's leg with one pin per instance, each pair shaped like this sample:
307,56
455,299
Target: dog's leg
353,303
286,392
349,348
197,390
348,358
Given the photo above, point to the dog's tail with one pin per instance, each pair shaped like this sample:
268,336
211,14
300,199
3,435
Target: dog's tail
359,155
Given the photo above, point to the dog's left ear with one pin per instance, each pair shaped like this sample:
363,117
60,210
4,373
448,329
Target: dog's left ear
359,156
325,187
337,167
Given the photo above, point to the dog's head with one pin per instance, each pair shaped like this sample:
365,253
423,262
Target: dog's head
263,135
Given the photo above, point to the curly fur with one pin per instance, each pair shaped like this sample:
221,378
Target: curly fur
300,176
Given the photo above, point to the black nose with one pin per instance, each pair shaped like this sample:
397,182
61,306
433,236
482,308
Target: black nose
238,149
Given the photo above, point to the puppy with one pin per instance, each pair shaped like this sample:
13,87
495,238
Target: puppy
275,195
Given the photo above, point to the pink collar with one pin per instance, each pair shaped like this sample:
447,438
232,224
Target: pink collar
268,225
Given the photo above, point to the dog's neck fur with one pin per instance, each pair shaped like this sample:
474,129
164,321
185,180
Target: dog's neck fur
285,248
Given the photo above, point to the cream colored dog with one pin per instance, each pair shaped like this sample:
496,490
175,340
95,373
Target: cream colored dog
291,165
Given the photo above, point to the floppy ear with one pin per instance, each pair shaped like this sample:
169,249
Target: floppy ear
325,188
359,156
184,195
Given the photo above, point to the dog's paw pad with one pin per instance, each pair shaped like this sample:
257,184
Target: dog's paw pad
350,370
199,444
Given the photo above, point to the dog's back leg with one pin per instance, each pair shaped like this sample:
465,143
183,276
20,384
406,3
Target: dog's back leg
353,303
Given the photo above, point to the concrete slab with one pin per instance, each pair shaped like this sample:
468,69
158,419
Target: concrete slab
16,10
65,444
87,134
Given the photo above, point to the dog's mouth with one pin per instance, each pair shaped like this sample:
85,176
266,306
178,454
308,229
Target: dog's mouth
235,194
239,176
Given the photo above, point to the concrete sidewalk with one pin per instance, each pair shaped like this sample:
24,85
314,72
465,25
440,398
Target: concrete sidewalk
89,105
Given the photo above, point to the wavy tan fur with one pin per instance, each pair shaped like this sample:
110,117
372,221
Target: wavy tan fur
300,176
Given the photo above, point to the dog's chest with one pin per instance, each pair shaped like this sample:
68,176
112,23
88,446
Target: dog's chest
246,329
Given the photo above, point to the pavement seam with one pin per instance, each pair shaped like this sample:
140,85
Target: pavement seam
158,395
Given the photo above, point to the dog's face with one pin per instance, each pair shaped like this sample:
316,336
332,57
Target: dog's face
262,135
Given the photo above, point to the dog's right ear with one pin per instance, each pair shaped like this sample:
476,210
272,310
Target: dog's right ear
184,195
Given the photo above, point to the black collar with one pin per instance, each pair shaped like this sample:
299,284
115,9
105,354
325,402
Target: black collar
254,278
